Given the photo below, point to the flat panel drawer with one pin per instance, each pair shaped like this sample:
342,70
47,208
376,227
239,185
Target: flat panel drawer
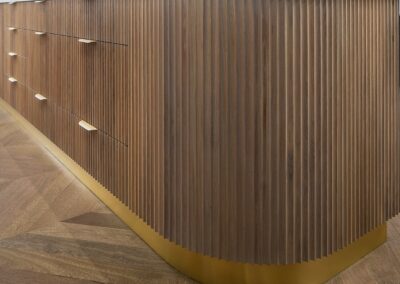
90,19
99,154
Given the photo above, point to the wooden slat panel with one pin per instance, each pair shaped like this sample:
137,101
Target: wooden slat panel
36,62
98,20
262,131
302,82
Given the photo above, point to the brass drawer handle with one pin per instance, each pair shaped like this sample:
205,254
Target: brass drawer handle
87,41
40,33
87,126
12,54
40,97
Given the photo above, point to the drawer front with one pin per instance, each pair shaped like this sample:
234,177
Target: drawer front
3,50
99,154
35,15
37,112
16,68
102,20
6,43
5,90
18,96
15,41
37,62
30,15
100,89
62,69
12,92
87,19
2,85
90,80
9,12
2,15
19,42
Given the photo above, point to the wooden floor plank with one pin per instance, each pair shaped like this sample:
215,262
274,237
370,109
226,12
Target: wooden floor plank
54,230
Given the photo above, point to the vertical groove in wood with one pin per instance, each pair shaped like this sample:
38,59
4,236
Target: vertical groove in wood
262,131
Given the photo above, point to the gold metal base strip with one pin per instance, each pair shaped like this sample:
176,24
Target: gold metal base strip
208,269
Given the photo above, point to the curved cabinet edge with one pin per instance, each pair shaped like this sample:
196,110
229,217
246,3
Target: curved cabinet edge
209,269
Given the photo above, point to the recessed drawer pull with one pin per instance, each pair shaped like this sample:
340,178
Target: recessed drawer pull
87,41
12,54
87,126
12,80
40,33
12,28
40,97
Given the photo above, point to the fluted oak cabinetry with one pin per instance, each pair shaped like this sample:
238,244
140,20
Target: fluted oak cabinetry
79,81
254,131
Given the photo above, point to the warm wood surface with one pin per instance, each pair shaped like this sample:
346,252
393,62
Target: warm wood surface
262,131
54,230
65,235
382,266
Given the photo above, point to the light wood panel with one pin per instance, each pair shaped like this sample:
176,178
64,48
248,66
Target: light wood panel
260,131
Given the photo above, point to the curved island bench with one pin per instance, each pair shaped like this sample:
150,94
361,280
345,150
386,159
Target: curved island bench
246,141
